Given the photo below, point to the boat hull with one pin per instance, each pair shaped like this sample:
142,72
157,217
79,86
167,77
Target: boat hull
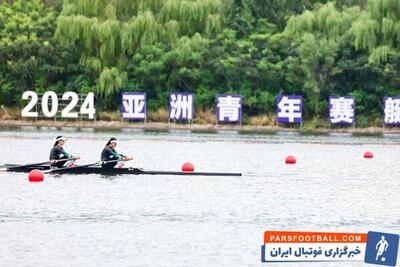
113,171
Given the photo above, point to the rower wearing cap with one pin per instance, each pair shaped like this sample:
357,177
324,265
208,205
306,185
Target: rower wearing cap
58,152
110,154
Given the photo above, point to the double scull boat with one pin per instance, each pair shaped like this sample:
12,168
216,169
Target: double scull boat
105,171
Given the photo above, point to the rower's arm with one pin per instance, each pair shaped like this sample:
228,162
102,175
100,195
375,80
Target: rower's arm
124,157
117,155
66,154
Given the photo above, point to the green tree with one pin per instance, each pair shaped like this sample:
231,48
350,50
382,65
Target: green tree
29,58
25,21
108,34
317,35
378,30
278,11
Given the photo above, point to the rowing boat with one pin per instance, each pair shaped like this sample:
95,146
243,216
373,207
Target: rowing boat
113,171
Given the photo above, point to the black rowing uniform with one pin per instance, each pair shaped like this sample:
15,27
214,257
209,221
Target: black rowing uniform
57,153
108,154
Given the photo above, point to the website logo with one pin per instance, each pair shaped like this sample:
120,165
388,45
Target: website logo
288,246
282,246
382,248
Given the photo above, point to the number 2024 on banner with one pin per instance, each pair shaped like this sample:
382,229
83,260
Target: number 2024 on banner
50,104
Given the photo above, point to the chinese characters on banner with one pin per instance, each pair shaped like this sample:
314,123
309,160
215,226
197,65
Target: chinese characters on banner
341,110
229,108
289,109
391,110
181,106
133,105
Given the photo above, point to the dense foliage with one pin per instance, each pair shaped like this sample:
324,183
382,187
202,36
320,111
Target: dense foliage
256,48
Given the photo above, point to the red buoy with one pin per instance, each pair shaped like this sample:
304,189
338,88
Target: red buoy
35,176
290,160
368,155
187,167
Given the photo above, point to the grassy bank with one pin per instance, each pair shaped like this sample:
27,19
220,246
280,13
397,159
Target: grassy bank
204,121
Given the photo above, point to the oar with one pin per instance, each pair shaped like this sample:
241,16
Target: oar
34,164
83,166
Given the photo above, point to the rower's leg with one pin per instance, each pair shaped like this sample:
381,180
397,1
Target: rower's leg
59,164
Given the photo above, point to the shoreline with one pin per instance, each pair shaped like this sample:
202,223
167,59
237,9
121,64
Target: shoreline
159,126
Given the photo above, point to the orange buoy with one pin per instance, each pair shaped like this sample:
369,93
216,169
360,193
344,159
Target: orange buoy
290,160
187,167
368,155
35,176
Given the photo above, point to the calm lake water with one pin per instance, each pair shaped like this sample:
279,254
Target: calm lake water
91,220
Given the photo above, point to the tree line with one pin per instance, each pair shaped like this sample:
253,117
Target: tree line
256,48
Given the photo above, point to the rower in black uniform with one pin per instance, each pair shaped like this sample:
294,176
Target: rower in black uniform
58,153
110,154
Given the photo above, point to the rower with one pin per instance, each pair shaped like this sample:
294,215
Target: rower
109,153
58,153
